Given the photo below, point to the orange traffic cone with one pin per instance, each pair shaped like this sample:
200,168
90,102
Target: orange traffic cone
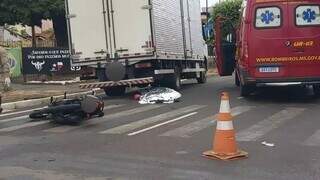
224,145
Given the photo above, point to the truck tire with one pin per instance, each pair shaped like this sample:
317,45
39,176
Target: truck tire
173,81
203,77
236,79
246,90
115,91
316,90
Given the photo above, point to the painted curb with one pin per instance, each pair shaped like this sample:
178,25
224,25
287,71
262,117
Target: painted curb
212,74
42,101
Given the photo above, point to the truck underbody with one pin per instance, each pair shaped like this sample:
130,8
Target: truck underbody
155,72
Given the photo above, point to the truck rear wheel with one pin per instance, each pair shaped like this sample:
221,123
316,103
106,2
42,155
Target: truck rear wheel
115,91
172,81
203,77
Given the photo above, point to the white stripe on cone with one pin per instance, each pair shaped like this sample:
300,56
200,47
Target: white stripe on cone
225,106
224,125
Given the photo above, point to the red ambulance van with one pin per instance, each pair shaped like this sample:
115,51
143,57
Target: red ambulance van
278,42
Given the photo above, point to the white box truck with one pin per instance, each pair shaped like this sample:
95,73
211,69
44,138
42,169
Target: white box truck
137,42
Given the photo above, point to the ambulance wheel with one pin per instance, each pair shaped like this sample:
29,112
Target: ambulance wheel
246,90
115,91
203,77
236,79
316,90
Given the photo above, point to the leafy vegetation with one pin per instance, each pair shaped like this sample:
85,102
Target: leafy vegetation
31,12
230,10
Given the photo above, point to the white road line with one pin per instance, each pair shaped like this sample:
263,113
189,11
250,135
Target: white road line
18,112
27,116
194,127
63,129
137,124
162,124
108,107
313,140
15,119
27,125
258,130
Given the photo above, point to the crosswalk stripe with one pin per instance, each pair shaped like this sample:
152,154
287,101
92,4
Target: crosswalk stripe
62,129
194,127
108,107
22,126
258,130
27,116
14,119
18,112
162,124
313,140
138,124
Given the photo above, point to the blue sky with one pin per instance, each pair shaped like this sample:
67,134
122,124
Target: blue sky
211,2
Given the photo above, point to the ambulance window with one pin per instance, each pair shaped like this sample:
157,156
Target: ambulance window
308,15
268,17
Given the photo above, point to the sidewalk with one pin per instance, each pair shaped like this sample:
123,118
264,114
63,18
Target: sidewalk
212,72
22,92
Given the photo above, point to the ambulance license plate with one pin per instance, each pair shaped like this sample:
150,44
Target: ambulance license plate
269,69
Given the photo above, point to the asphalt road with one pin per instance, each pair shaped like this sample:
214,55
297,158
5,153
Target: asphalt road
137,141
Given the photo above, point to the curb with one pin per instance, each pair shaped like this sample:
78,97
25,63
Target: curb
42,101
212,74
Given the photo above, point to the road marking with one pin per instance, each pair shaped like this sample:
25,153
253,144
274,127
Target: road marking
27,125
258,130
27,116
161,124
194,127
18,112
63,129
313,140
14,119
137,124
108,107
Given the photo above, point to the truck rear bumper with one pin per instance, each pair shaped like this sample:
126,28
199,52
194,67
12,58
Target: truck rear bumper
129,82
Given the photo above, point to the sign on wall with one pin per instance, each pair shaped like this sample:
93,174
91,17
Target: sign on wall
46,61
14,60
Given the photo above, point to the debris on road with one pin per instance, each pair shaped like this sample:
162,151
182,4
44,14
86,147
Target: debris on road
159,95
268,144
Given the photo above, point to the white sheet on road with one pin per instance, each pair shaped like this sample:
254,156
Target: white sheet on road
159,95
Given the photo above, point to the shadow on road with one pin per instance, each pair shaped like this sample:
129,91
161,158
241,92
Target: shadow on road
132,91
290,94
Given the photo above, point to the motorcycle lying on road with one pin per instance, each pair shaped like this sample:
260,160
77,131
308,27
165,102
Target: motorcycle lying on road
71,111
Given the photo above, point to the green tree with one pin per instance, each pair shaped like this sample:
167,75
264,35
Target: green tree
24,33
31,12
230,10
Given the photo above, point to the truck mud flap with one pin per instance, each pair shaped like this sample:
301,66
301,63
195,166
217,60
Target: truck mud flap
129,82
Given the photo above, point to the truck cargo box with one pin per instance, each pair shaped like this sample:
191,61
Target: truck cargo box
134,30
